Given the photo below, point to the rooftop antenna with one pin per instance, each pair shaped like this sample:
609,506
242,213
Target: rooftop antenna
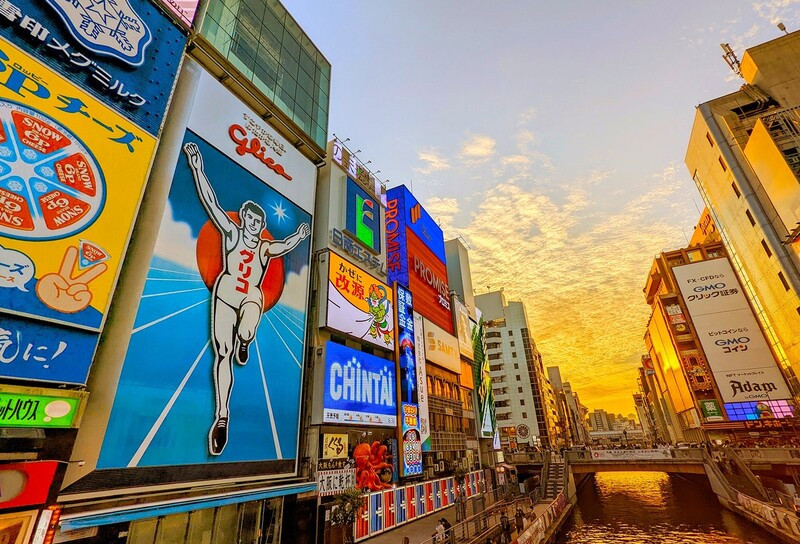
730,58
782,27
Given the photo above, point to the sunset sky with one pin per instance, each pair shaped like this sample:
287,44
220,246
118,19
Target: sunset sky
551,136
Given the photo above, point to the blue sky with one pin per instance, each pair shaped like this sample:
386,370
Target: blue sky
551,136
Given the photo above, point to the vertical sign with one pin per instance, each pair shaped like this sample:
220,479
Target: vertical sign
422,384
409,399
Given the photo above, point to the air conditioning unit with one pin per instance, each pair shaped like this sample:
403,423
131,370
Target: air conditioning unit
429,474
439,455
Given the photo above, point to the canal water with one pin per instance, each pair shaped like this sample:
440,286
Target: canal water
652,507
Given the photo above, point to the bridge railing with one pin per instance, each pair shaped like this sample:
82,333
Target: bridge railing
769,455
525,458
695,455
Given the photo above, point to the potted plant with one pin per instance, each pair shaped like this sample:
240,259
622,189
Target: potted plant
344,512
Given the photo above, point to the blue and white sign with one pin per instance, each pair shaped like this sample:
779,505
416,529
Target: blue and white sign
359,388
125,52
30,350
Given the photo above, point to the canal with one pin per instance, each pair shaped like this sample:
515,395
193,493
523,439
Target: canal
649,507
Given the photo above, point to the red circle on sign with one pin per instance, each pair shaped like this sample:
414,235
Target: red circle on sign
210,262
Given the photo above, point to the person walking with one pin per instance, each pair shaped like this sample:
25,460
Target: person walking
448,531
440,533
505,529
518,520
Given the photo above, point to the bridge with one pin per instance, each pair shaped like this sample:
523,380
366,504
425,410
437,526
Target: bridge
673,461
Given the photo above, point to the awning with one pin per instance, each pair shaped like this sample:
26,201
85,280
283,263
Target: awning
82,520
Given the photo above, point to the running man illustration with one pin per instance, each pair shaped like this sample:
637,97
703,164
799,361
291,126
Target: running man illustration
237,300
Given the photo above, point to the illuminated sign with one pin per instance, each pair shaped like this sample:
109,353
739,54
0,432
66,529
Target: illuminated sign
334,446
412,215
335,476
347,244
737,352
363,217
427,280
359,304
711,410
359,388
422,383
26,484
441,348
463,328
39,408
409,397
355,170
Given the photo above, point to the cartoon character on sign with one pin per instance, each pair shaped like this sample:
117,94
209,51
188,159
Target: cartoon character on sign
380,310
372,465
64,292
107,27
237,297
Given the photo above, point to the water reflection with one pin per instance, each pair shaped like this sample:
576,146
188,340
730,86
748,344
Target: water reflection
648,507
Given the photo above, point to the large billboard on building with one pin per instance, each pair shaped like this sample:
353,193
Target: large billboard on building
411,445
738,354
213,371
487,424
415,256
359,388
441,348
359,304
422,383
463,328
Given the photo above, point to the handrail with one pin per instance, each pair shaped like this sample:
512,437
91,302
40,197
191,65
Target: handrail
479,520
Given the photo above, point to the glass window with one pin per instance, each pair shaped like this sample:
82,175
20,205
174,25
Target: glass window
226,526
250,522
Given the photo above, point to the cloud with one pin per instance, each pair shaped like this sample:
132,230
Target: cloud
175,242
444,210
775,10
478,149
294,290
433,160
527,116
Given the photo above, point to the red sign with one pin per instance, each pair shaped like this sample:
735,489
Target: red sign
427,281
26,484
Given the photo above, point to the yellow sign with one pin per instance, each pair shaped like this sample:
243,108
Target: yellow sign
72,172
359,304
334,446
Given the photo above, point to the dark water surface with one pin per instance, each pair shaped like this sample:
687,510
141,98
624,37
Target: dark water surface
654,508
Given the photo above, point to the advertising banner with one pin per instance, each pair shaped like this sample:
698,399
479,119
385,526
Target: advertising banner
411,450
185,10
463,328
630,455
359,304
16,528
214,366
711,410
335,476
334,446
26,484
483,382
737,352
359,388
72,172
422,384
126,56
441,348
363,217
40,408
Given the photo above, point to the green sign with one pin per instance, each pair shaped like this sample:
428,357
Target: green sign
29,410
710,409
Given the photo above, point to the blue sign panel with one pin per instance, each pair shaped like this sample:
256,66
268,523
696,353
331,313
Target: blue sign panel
396,242
213,371
30,350
415,218
363,217
126,53
359,388
409,413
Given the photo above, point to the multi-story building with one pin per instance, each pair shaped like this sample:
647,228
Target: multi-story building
578,413
712,366
599,420
743,156
571,414
519,382
642,413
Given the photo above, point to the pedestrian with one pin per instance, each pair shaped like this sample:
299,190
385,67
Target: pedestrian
796,502
449,533
505,528
526,520
405,540
518,520
440,532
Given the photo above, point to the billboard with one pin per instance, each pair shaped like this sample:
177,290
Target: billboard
359,388
737,352
411,447
213,370
422,384
184,10
40,408
415,256
463,328
441,348
359,304
126,56
363,217
487,425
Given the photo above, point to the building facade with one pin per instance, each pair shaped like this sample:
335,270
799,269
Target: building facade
523,403
743,158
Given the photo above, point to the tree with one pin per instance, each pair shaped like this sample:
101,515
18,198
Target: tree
344,511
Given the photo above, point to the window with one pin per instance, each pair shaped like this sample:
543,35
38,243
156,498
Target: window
511,333
524,415
512,343
722,164
735,189
519,389
516,366
710,141
750,217
494,356
513,353
518,378
495,368
766,248
783,280
522,402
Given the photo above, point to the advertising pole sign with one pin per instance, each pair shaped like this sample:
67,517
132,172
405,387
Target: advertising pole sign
359,388
230,272
359,304
409,398
737,351
422,383
81,106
